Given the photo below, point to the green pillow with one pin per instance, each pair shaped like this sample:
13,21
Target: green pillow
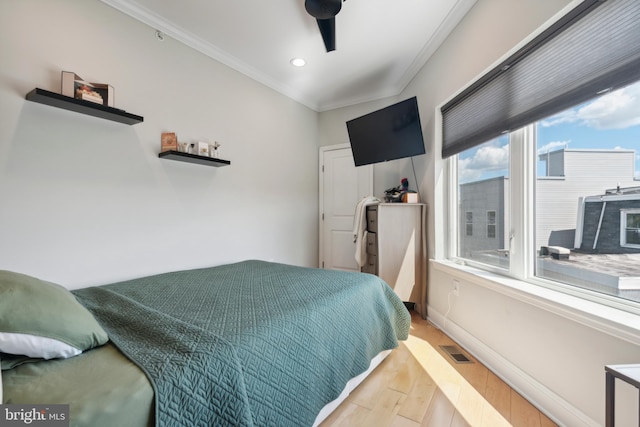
44,320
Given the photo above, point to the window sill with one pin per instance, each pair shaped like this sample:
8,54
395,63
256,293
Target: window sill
610,320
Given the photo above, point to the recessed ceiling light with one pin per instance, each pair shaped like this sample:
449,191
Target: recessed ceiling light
298,62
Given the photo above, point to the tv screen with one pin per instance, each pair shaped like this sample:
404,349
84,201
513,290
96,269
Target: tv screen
391,133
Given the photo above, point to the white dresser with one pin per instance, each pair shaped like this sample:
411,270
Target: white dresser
396,248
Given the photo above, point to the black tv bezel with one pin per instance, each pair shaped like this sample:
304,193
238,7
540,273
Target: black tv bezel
384,117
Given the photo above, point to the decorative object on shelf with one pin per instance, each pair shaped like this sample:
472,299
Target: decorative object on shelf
213,150
410,197
183,147
193,158
75,86
401,193
87,92
202,149
168,141
57,100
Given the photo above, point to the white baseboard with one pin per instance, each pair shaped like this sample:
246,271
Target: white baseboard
552,405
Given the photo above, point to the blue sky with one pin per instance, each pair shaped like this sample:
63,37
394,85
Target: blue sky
611,121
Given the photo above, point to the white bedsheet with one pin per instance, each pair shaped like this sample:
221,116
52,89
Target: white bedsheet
351,385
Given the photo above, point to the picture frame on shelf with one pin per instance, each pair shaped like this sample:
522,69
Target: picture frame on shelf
168,141
75,86
202,149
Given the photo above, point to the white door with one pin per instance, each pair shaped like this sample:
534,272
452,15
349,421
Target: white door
342,186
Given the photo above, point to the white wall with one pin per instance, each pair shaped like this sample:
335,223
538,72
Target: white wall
549,348
86,201
554,356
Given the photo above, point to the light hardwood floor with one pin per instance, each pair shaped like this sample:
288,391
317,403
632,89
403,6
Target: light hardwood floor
419,385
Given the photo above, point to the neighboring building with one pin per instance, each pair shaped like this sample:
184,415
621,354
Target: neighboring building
610,223
482,216
571,176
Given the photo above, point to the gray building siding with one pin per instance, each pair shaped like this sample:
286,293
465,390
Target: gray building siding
609,235
478,198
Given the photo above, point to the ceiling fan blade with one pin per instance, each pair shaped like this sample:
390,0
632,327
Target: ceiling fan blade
328,31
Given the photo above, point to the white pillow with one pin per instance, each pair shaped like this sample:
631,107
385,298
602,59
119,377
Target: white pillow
41,319
35,346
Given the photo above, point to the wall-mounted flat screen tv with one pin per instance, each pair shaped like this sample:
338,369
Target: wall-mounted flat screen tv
391,133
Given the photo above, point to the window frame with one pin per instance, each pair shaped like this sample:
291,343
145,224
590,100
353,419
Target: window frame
623,227
522,175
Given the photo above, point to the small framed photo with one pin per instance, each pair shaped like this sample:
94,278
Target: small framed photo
168,141
202,149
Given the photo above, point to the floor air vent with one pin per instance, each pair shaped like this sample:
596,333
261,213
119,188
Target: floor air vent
456,354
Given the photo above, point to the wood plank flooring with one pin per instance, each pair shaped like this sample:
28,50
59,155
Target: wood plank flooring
418,385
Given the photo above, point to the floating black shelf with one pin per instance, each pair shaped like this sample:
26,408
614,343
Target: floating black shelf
53,99
193,158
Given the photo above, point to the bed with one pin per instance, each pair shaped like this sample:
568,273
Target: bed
252,343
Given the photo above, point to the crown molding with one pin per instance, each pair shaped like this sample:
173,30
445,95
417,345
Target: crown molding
452,19
157,22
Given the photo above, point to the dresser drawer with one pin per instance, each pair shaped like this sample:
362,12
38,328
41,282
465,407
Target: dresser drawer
371,265
372,218
372,243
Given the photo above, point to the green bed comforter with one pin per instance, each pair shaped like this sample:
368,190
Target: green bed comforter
249,344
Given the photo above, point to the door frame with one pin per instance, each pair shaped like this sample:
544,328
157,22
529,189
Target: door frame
321,191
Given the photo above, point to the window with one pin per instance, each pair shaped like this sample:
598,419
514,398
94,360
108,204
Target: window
483,181
585,192
469,222
630,228
560,189
491,224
